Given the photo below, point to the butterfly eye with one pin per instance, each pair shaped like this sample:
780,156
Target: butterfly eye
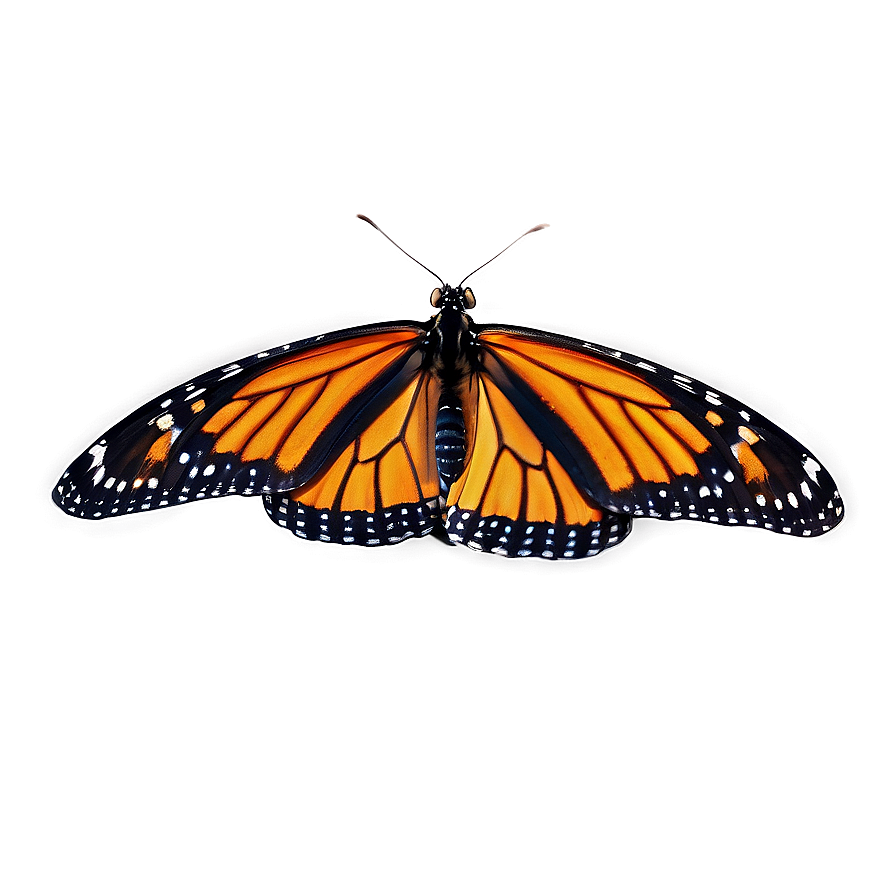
436,298
469,298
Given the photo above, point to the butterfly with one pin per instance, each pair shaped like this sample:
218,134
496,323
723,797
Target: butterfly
504,439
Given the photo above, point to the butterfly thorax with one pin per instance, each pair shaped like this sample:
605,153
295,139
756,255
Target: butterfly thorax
451,345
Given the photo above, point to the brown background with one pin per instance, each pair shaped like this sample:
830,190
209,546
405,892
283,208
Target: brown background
196,702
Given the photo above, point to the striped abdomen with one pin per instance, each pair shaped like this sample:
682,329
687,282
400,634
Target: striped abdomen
451,446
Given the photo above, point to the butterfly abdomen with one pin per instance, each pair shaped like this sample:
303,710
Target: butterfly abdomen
451,443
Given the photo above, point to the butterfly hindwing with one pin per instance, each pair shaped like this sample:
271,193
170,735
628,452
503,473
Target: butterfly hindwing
515,497
383,487
267,423
641,439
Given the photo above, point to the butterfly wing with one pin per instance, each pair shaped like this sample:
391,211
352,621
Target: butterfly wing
640,439
383,487
271,422
515,496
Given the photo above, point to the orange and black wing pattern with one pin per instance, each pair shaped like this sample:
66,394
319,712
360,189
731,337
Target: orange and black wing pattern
507,440
292,418
383,487
638,439
515,497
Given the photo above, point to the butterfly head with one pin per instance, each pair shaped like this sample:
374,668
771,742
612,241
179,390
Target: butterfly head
452,297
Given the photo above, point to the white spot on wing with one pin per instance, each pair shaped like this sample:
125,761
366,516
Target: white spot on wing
98,452
812,466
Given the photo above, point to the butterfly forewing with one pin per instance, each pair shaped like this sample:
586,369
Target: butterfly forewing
267,423
641,439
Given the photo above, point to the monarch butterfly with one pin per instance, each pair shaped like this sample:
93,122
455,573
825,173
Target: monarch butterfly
505,439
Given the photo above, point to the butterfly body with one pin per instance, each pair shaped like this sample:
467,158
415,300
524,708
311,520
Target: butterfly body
507,440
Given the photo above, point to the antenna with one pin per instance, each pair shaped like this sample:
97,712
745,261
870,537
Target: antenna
386,235
531,230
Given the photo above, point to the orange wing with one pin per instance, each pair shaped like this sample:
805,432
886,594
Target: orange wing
514,497
267,423
641,439
383,488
